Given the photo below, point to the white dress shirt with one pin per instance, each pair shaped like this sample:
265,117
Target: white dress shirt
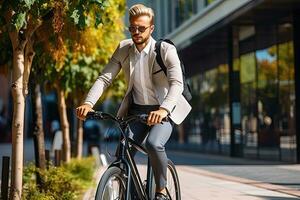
142,90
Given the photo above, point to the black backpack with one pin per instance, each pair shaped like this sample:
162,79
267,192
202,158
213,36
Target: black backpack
186,88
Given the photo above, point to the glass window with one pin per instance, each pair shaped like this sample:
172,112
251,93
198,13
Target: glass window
248,69
209,122
286,113
267,96
268,99
248,100
184,10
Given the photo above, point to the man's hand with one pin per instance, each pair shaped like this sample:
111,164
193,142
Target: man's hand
157,116
82,111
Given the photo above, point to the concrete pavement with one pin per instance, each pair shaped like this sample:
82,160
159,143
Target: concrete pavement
196,185
274,176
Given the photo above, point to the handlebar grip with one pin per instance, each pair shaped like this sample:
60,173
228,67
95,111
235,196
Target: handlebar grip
90,114
94,115
144,117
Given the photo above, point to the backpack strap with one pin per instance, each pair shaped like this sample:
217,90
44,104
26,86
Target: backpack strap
159,58
158,54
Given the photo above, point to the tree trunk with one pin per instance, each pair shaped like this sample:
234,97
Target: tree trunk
17,124
39,141
62,108
79,139
22,60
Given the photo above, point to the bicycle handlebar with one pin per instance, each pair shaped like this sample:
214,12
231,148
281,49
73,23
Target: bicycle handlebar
100,116
106,116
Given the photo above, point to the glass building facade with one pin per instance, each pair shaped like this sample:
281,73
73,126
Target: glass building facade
242,70
267,94
266,107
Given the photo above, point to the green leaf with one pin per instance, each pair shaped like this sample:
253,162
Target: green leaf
19,20
88,60
102,4
105,4
29,3
99,2
83,21
79,17
98,20
75,15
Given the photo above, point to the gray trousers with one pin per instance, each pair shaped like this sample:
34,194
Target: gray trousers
155,139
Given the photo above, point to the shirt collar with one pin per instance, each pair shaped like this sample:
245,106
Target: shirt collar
146,50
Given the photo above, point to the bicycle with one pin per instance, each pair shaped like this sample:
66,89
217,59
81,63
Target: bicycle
116,182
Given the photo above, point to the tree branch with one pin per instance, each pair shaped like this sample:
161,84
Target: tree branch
32,26
28,58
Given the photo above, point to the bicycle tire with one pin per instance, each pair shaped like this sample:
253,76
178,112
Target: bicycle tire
105,188
173,180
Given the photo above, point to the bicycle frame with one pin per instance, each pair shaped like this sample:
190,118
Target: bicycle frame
125,157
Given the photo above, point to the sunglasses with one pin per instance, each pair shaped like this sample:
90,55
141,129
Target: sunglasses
141,29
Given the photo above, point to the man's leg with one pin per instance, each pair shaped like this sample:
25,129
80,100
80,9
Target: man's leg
155,144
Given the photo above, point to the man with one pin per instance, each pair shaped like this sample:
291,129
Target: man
149,90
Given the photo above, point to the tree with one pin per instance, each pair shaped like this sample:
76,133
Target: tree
78,58
17,14
97,46
22,19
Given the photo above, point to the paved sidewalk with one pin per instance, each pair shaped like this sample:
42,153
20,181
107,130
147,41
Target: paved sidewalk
206,176
197,186
275,176
213,177
210,177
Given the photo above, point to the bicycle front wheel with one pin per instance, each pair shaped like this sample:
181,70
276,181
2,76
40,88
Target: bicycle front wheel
112,185
173,186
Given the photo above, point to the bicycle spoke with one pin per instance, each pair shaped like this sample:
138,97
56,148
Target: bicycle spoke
114,189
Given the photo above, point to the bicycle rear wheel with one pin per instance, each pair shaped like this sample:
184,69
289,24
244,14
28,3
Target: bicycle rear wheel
173,186
112,185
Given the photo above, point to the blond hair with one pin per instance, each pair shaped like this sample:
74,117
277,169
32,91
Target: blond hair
139,10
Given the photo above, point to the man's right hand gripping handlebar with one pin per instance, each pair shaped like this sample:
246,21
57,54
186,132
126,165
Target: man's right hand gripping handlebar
82,111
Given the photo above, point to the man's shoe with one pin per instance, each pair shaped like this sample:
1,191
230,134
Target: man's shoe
161,196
